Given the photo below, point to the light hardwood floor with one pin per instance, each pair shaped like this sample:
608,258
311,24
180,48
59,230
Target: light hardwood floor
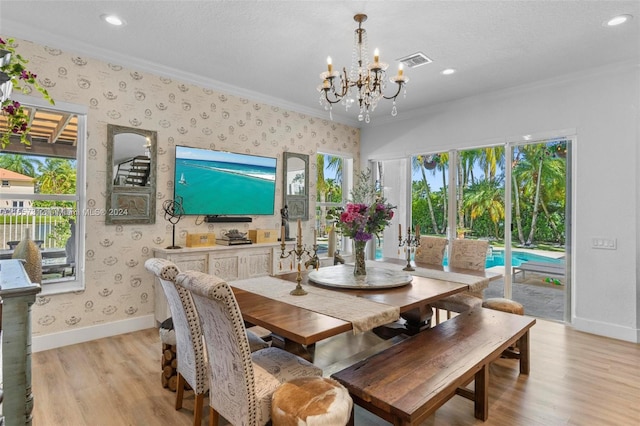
576,379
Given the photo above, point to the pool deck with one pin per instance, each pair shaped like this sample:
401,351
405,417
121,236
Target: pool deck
540,298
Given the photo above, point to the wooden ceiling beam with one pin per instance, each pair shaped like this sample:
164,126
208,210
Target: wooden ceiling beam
59,150
62,124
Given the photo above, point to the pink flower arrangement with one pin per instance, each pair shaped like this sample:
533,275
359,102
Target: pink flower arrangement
361,221
13,74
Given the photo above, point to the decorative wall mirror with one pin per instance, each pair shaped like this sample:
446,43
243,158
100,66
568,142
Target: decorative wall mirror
296,185
131,175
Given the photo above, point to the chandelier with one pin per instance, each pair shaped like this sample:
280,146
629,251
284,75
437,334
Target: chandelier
364,84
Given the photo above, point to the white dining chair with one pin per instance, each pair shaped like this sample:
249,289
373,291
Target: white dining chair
190,353
192,366
241,383
431,250
470,255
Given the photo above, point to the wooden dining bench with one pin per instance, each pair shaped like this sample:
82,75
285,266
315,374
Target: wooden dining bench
407,382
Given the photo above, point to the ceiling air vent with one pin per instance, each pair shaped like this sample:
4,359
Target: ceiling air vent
415,60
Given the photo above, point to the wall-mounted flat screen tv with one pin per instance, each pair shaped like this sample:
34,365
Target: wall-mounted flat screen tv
213,183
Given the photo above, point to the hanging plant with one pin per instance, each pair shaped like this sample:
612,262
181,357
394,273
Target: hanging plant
431,161
15,76
558,149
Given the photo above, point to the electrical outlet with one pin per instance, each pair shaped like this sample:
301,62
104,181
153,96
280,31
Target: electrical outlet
604,243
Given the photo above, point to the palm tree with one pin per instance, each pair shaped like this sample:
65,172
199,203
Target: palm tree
466,160
516,196
419,162
552,200
442,166
332,163
19,163
326,188
333,191
56,176
490,160
534,166
486,197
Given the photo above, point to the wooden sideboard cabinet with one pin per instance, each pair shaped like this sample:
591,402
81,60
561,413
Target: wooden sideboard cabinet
241,263
18,293
227,262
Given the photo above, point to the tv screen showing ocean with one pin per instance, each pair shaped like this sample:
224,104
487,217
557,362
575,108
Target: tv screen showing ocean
223,188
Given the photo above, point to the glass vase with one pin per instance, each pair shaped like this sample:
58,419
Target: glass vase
360,268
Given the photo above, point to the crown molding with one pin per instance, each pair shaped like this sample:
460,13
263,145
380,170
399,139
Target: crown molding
16,30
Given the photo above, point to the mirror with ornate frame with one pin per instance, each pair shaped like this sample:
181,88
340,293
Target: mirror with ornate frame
296,185
131,175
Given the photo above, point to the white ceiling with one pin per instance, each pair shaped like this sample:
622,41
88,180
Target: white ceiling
274,51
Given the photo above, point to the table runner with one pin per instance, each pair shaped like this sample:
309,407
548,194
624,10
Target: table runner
362,313
475,283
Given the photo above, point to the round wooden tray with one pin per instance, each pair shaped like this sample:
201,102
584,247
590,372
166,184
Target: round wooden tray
341,276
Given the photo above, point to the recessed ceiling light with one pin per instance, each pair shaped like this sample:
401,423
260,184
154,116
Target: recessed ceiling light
617,20
527,137
113,20
448,71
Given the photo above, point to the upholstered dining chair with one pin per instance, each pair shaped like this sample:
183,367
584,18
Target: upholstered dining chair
192,365
241,383
190,354
431,250
465,254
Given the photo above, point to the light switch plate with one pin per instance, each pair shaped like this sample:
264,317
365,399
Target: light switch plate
604,243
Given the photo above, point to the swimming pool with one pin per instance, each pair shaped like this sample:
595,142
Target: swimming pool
517,257
496,258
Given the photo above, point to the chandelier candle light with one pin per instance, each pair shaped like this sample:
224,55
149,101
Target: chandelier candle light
410,244
297,253
365,82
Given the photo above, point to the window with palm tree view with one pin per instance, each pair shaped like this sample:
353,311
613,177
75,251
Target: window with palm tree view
538,196
331,194
38,197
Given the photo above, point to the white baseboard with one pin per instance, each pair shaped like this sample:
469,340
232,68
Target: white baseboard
613,331
85,334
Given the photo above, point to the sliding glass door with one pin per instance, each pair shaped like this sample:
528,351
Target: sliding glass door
540,216
390,177
521,206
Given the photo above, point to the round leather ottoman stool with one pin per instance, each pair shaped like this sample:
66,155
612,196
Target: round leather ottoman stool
311,401
504,305
510,306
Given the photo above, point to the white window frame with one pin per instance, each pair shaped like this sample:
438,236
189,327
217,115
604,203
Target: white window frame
79,197
347,185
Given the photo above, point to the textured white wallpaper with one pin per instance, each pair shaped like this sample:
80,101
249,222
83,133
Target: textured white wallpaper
117,285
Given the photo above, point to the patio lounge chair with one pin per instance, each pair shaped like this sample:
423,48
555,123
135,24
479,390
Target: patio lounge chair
556,269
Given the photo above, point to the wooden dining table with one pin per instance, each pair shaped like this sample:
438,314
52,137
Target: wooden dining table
297,329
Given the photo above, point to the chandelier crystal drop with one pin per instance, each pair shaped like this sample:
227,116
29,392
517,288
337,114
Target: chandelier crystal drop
365,83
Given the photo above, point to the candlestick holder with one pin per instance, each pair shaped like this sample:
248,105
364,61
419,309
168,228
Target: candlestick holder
409,243
298,253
